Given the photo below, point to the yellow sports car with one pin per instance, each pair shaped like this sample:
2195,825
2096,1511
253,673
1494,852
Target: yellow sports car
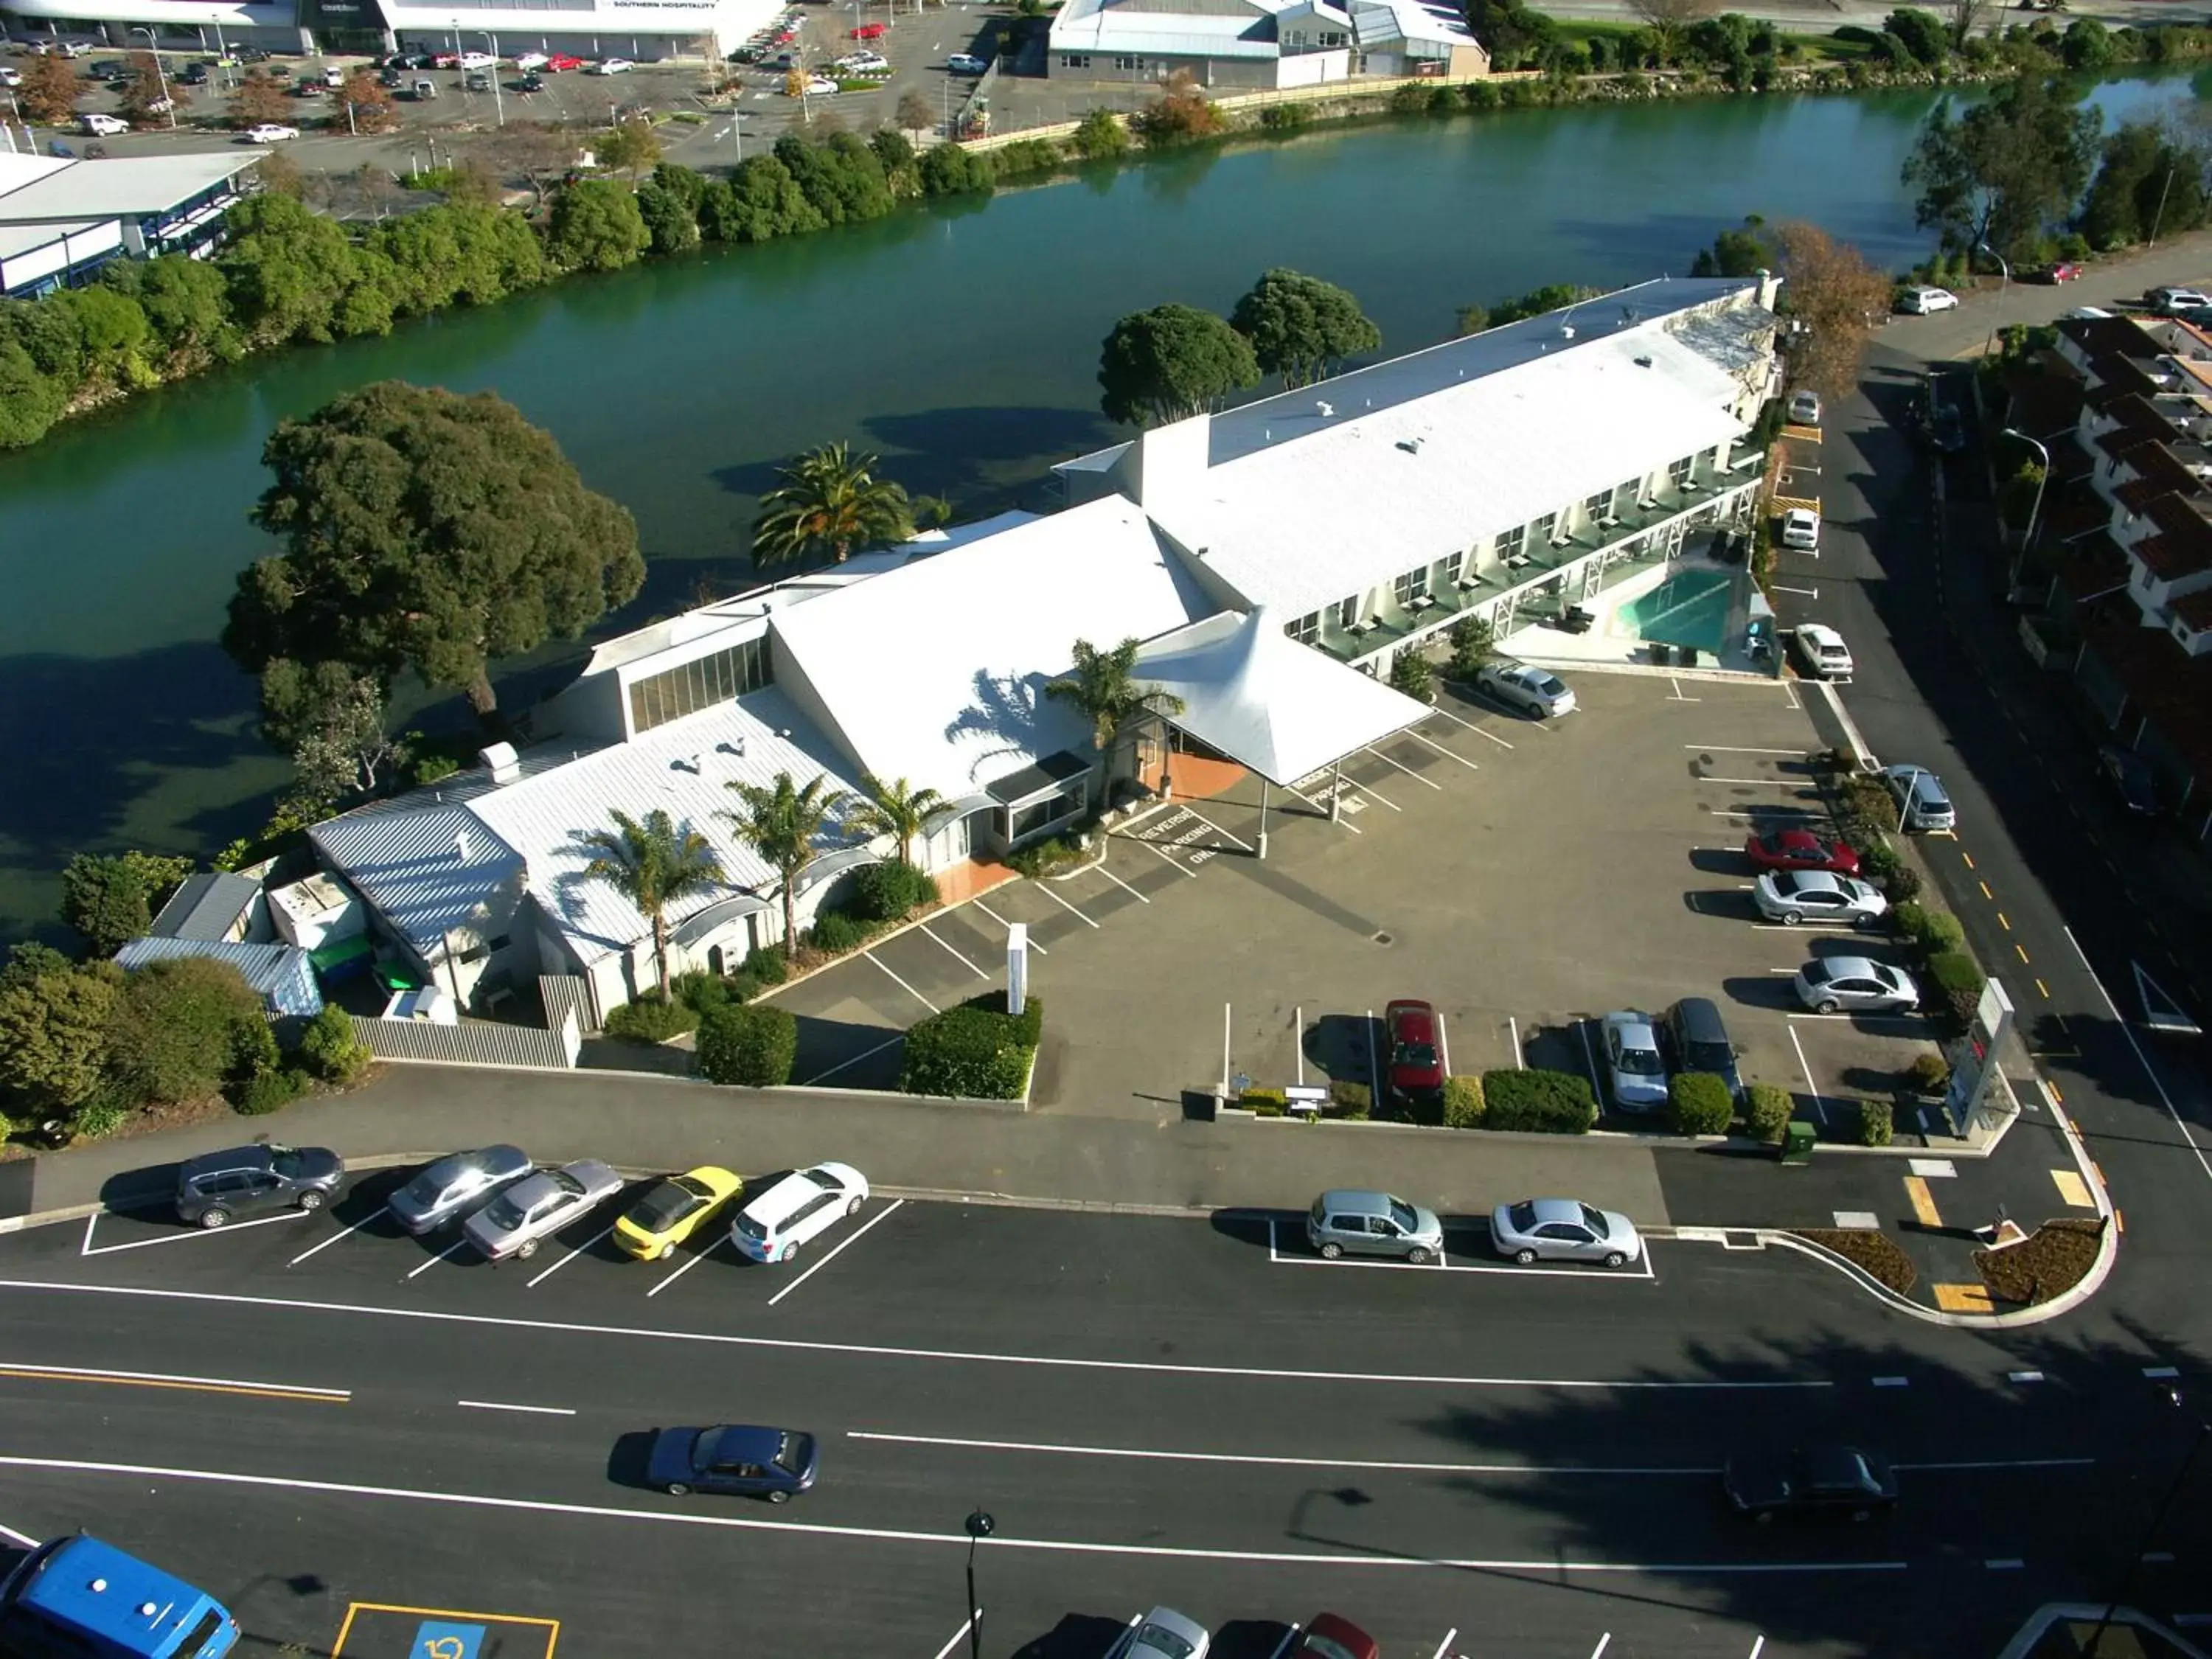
672,1209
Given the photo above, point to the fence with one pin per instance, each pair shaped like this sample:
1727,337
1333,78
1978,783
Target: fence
473,1044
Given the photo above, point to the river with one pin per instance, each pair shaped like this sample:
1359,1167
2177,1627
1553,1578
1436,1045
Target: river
960,343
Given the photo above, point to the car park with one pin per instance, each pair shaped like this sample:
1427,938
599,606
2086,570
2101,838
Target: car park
1790,897
1349,1221
455,1186
1330,1636
1694,1038
391,79
192,75
2173,299
1920,797
1799,850
102,126
965,62
1801,528
1564,1230
816,86
1634,1065
1811,1481
796,1209
1164,1633
736,1458
1830,985
867,63
1536,692
1926,301
1416,1069
1805,408
532,81
670,1211
108,69
535,1207
216,1188
613,66
1821,652
423,90
2130,774
476,81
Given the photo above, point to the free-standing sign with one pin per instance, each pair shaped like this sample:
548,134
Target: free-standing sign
1974,1057
1017,967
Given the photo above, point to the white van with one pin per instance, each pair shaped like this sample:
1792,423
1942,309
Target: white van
1801,528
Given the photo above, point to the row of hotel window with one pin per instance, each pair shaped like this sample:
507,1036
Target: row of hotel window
1506,548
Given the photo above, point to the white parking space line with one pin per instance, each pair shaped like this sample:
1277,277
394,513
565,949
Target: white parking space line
1217,829
414,1272
1158,849
865,1053
871,956
548,1272
1479,730
858,1234
1589,1058
1162,1456
1066,906
85,1248
1723,748
1402,767
1598,1652
30,1543
960,1635
1377,1082
1004,923
1789,691
1678,696
1758,782
1123,885
957,955
1444,1043
501,1405
1444,1646
695,1260
1758,1647
1445,752
1820,1107
1284,1646
317,1249
1322,807
1362,789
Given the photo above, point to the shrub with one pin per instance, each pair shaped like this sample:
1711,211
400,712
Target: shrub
1264,1102
970,1051
1548,1102
1770,1109
1902,884
752,1047
1410,673
1281,119
1462,1102
1929,1074
269,1092
1410,100
1100,135
699,991
650,1020
766,964
888,891
1958,979
329,1048
98,1119
180,1029
1878,860
1699,1103
1474,642
834,931
1351,1100
739,987
1182,115
1039,859
1911,921
1873,1124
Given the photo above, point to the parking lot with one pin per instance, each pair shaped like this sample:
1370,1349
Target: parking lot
1524,877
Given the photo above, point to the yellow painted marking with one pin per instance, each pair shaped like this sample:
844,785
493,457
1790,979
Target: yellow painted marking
1986,893
1803,434
2055,1095
2073,1189
33,1373
2120,1220
1784,503
551,1626
2045,989
1924,1201
1964,1298
1968,857
2003,923
2023,951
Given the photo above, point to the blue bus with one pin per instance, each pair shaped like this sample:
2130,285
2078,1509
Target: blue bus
77,1598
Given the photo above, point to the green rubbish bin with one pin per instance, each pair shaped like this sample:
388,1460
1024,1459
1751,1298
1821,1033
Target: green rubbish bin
1797,1142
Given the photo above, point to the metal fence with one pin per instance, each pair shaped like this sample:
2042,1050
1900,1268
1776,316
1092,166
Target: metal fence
473,1044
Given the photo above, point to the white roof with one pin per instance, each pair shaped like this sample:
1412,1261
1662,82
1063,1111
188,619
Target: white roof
1280,707
1378,21
18,240
119,187
426,868
935,672
1120,26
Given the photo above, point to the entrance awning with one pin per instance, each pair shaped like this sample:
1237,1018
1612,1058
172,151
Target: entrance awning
1257,695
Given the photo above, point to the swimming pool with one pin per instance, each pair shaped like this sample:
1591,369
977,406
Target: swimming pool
1691,607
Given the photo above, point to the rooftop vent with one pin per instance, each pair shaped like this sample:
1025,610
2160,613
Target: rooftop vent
1644,362
501,761
731,746
1411,445
461,845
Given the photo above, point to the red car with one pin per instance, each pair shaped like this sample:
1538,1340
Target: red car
561,60
1800,849
871,31
1416,1064
2064,271
446,60
1327,1636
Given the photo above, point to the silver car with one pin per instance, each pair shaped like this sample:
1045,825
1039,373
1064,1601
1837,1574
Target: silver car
1788,896
1920,800
1536,692
1830,985
1347,1221
1633,1062
455,1185
1164,1633
535,1207
1563,1229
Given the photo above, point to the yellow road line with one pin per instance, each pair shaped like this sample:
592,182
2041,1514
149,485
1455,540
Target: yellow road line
1924,1201
1986,893
2003,923
1810,503
1968,857
1964,1298
2022,949
2073,1189
2045,989
117,1379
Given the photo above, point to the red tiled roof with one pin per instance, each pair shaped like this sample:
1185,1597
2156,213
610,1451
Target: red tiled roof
2165,685
2095,565
2171,557
2137,494
2195,609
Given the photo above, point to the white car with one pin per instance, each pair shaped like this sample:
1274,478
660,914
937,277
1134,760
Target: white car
1788,896
816,85
102,126
530,60
799,1207
966,63
1164,1633
1805,408
269,132
1535,691
1801,528
2174,299
1564,1230
532,1211
1830,985
1822,650
9,77
1633,1062
1926,301
478,60
864,62
613,66
2088,314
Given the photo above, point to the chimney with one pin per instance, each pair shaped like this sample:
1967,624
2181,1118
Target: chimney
501,761
1770,289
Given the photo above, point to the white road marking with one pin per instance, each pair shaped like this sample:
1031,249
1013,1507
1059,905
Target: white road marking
1757,1647
1123,885
695,1260
1763,812
449,1250
1809,593
855,1237
872,1350
1382,800
1893,1381
1703,779
1820,1106
1281,1647
1678,696
98,1373
692,1517
1322,807
1603,1641
2004,1564
85,1248
11,1534
1402,766
889,1042
1217,829
957,955
1064,905
1444,1044
960,1635
2003,1463
317,1249
1004,923
1164,854
1444,1646
1723,748
2159,1373
1441,749
1589,1057
548,1272
1150,1454
2164,1099
871,956
1480,731
2023,1376
1789,691
501,1405
1513,1030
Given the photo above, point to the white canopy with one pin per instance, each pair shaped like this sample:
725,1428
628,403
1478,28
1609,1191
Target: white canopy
1280,707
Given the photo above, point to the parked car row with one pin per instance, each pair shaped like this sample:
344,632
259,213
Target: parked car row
1357,1222
1164,1633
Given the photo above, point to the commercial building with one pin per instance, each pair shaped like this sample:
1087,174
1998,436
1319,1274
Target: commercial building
1251,45
1271,561
62,219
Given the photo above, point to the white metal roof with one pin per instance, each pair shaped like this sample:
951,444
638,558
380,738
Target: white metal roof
1119,25
935,672
16,240
121,187
1379,22
1259,696
426,869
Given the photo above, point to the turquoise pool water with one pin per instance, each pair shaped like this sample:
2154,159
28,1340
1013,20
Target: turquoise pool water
1690,607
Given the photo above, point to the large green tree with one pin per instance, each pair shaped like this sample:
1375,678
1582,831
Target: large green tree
53,1035
2147,184
1301,327
112,900
1170,362
784,825
2006,168
290,270
654,865
595,225
428,531
1743,251
1103,688
179,1030
830,502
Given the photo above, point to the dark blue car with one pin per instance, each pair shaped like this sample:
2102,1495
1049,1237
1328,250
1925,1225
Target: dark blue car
753,1462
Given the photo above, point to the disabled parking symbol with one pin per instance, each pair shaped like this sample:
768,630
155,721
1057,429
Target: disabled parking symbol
438,1640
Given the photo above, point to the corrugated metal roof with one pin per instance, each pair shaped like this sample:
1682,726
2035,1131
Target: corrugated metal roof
1113,26
1377,22
281,973
121,187
426,870
207,906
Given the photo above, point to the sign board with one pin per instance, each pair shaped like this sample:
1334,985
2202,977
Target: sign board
1974,1057
1305,1099
1017,967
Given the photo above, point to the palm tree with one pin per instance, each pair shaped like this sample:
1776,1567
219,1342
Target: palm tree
892,809
654,865
830,502
1103,688
780,825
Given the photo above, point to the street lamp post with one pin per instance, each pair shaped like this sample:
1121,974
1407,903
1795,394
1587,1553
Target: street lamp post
2003,289
498,107
154,51
980,1525
2035,508
2157,1519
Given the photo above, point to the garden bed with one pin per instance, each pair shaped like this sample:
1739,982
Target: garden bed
2050,1261
1875,1253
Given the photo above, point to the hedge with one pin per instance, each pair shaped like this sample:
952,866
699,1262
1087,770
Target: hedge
752,1046
1464,1103
834,931
329,1048
1700,1104
1545,1102
650,1020
1957,976
1264,1102
1873,1124
888,892
977,1051
1770,1109
269,1092
1351,1100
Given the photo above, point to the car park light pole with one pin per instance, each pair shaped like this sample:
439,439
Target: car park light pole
1990,344
2028,539
161,74
980,1525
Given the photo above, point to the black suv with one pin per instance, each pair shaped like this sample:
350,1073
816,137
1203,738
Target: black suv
1693,1039
216,1186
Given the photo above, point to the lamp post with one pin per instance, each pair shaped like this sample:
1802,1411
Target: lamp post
2004,289
2028,538
498,107
980,1525
154,51
2157,1519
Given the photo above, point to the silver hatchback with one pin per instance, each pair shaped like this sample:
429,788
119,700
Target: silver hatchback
1349,1222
